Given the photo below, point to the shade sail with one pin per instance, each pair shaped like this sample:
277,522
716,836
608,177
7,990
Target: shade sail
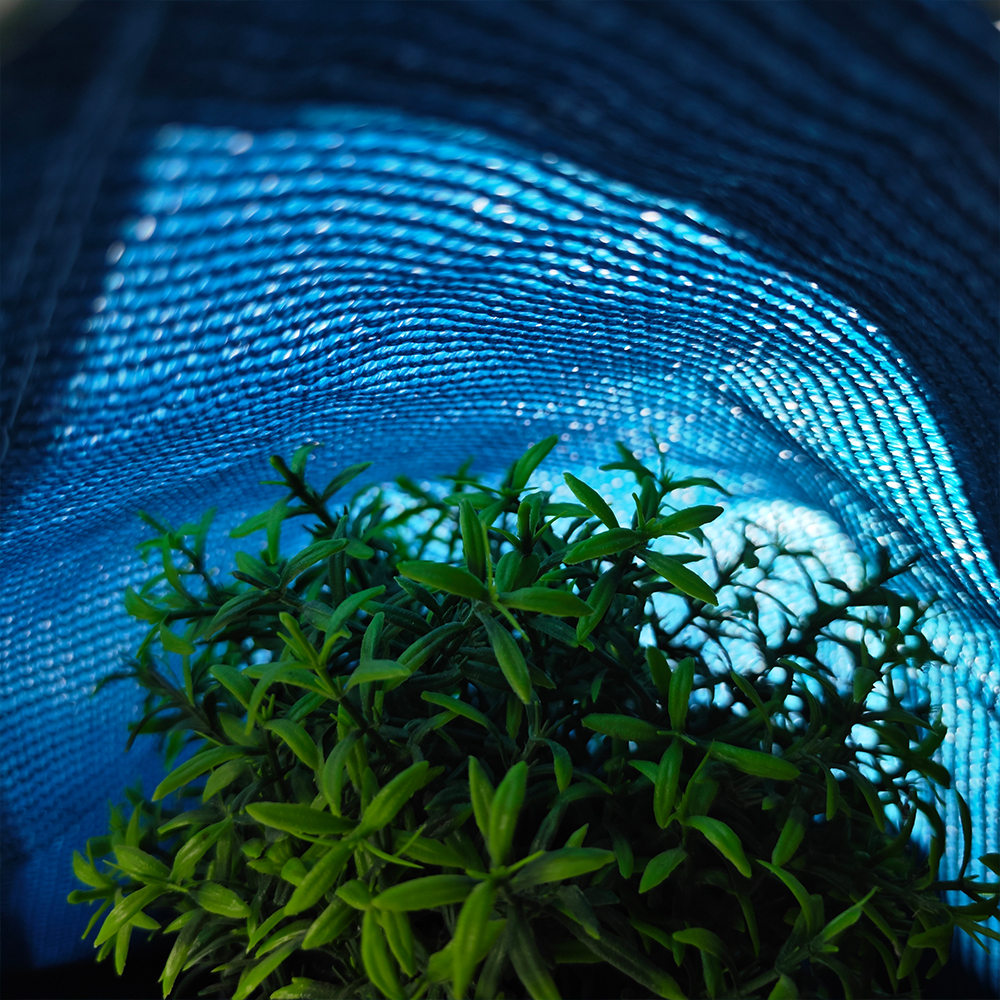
413,232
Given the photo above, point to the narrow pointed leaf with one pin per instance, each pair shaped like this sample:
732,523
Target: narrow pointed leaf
195,767
530,461
377,670
382,809
622,727
509,657
756,762
323,874
451,579
546,601
659,868
591,499
723,839
685,520
677,574
681,682
426,893
504,811
298,740
298,818
607,543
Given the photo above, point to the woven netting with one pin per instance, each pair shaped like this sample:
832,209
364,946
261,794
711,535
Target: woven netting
416,232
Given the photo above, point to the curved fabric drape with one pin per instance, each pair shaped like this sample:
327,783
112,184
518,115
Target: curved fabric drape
767,232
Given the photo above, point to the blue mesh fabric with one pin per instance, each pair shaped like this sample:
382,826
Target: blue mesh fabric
415,232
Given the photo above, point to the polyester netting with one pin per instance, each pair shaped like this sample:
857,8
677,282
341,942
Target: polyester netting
415,232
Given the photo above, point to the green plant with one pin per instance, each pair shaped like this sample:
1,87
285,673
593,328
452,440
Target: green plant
424,777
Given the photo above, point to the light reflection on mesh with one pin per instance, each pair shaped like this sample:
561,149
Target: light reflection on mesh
412,293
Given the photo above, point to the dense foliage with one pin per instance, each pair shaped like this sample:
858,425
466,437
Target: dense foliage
432,757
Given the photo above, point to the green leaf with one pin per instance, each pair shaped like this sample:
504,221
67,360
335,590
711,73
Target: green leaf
419,652
797,889
346,609
126,909
141,609
233,610
509,657
832,794
121,947
677,574
356,894
481,793
864,681
296,818
140,865
666,783
474,545
298,740
174,643
375,958
565,863
529,461
685,520
623,852
659,670
233,681
527,960
321,876
784,989
194,849
562,763
382,809
426,893
311,555
377,670
966,818
600,598
681,682
555,511
622,727
194,767
504,811
427,850
218,899
256,570
399,934
329,925
591,499
607,543
870,795
546,601
451,579
992,861
723,839
848,918
330,779
180,950
342,478
762,765
89,875
459,707
792,832
250,525
658,869
253,975
702,939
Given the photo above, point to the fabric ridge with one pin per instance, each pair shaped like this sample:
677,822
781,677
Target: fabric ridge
416,232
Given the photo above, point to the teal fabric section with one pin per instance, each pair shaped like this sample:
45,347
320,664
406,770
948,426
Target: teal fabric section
402,232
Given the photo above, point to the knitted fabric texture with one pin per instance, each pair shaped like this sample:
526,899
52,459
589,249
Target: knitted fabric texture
416,232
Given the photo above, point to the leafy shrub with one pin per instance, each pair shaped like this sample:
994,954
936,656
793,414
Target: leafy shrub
416,777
